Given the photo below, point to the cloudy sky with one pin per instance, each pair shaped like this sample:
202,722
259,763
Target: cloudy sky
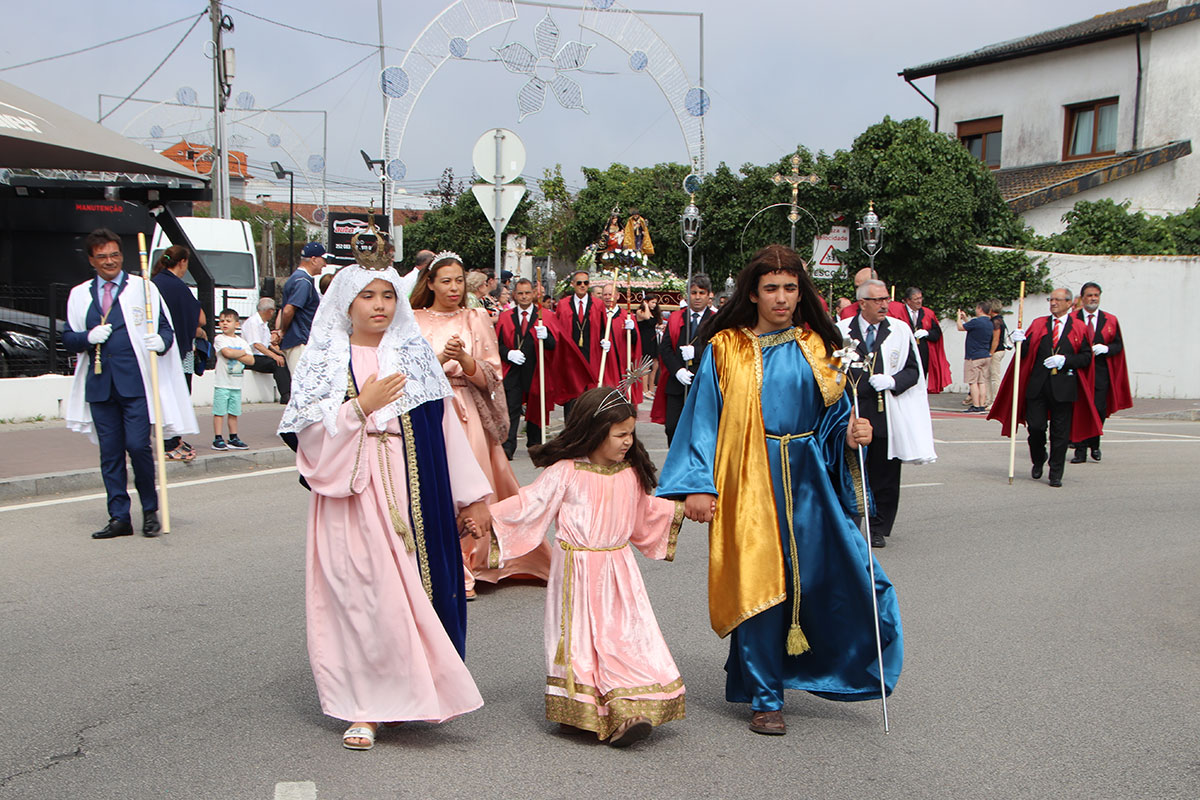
778,73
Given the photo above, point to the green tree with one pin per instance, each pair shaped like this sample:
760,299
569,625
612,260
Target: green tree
462,226
552,216
1104,227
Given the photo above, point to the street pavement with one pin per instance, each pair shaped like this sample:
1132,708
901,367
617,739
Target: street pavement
1052,651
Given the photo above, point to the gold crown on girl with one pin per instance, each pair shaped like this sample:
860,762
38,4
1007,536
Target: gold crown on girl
378,257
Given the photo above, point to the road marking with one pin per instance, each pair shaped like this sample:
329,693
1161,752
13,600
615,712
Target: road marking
101,495
918,485
1150,433
296,790
1105,441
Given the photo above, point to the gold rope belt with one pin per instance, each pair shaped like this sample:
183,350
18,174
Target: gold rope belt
797,642
563,654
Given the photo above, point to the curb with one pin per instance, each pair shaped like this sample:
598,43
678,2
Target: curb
84,480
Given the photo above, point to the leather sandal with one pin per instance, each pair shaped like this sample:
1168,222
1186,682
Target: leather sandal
631,730
768,723
363,732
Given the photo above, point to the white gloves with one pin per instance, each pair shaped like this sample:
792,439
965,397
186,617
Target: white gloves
1099,349
154,343
683,376
605,345
516,357
540,331
687,351
1018,335
1055,362
100,334
881,383
630,324
920,333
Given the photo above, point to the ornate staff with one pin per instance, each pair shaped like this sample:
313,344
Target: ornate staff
160,457
629,333
1012,431
607,330
847,359
541,357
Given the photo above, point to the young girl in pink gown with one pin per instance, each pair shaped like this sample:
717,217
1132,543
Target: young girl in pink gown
464,340
609,670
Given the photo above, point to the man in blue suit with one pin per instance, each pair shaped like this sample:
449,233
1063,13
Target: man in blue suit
115,390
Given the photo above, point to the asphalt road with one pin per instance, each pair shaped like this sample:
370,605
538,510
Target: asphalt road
1052,651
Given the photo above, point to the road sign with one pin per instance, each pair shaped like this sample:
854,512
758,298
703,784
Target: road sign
824,262
512,155
510,197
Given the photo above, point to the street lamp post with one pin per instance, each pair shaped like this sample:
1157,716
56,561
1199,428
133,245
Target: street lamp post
282,173
871,231
689,232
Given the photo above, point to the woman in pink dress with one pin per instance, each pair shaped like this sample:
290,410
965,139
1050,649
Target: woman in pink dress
464,340
608,669
392,484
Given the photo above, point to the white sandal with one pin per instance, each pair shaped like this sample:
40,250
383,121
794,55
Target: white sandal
358,732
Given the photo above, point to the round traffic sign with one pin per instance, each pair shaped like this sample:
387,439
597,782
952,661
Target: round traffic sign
512,155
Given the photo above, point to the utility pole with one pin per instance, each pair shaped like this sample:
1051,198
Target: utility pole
382,59
223,69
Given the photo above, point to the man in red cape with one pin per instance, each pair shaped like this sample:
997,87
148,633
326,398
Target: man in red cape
580,327
928,332
674,360
1111,377
517,332
616,365
1055,387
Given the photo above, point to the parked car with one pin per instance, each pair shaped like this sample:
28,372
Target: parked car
23,350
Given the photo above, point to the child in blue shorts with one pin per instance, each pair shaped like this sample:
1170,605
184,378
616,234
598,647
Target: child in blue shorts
233,354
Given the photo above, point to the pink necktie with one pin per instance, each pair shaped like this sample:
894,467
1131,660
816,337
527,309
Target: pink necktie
1057,323
106,301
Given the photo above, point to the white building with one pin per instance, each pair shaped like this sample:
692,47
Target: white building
1104,108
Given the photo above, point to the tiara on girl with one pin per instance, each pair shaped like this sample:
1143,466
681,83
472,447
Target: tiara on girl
617,396
445,255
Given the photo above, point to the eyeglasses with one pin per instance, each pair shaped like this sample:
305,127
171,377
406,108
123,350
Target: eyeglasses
107,256
581,283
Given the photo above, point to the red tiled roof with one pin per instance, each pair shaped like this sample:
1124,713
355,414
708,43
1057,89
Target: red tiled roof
196,158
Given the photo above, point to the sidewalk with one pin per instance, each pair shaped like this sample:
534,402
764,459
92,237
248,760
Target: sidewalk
40,459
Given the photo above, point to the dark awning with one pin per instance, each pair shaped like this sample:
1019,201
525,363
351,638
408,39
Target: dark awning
37,134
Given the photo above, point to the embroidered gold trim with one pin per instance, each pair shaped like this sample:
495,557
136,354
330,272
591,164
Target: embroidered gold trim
829,380
856,477
771,603
758,356
587,716
414,502
562,654
600,469
493,551
779,337
673,536
358,412
623,691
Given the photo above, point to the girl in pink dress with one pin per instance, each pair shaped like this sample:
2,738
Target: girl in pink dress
464,340
609,670
389,470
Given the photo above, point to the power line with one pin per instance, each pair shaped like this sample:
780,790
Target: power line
156,69
102,44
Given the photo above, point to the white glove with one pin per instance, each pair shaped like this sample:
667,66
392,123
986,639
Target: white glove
683,376
881,383
154,343
687,351
1099,349
1018,335
1055,362
516,357
540,331
630,324
100,334
606,345
920,333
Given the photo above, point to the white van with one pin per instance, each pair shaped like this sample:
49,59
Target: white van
227,247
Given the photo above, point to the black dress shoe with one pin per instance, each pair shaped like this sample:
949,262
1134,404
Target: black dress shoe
1080,457
1095,454
1056,482
114,528
150,525
1036,472
878,541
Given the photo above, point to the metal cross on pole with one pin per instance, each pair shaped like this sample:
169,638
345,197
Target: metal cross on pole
794,180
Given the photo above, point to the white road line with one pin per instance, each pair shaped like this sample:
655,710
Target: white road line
296,790
1151,433
918,485
199,481
1105,441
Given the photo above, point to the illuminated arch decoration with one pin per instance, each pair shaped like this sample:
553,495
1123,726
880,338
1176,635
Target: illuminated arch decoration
449,36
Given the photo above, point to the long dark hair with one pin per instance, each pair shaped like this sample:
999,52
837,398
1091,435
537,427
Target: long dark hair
741,311
169,258
422,294
586,430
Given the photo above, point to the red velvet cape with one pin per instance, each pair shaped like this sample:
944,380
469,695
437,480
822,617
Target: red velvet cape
506,333
937,371
574,374
1119,396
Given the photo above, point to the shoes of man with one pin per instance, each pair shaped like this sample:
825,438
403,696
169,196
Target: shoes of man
1036,472
219,444
1056,482
151,527
114,528
1080,457
768,723
1095,454
878,541
235,443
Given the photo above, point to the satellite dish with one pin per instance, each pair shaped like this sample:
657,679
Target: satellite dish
512,155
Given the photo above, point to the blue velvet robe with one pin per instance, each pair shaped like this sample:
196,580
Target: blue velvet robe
835,608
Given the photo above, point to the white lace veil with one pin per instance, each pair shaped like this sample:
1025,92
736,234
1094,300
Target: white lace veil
319,383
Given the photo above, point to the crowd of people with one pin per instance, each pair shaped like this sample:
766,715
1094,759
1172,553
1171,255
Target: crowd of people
404,401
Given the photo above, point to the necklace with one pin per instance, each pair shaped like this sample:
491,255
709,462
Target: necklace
443,313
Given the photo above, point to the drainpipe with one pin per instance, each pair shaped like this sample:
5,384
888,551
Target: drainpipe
937,111
1137,95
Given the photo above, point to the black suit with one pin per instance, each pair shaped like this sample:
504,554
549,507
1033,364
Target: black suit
673,361
935,334
520,377
1100,372
883,473
1051,397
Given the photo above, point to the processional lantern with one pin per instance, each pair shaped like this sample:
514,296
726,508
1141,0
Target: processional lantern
689,224
870,229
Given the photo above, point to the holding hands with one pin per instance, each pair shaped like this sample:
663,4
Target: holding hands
475,520
700,507
378,392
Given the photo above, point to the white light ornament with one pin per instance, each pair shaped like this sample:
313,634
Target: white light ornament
545,68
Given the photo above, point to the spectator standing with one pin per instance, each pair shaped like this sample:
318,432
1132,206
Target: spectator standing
188,320
233,356
978,355
997,349
268,358
300,301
